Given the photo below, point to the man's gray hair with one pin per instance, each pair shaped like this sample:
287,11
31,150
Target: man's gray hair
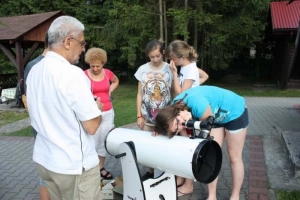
63,27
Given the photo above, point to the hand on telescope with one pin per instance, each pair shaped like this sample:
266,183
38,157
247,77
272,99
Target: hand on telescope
154,134
186,115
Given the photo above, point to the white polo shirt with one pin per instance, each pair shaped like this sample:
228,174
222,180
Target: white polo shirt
59,97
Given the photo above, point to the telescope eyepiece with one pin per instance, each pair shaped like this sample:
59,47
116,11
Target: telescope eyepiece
200,125
201,129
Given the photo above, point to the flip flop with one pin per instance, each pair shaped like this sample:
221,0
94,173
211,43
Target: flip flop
179,194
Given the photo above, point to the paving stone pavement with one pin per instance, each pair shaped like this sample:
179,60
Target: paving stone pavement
264,171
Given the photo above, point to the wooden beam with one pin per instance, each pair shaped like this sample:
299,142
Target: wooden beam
19,60
29,54
10,56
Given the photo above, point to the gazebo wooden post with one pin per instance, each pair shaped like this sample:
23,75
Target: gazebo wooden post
19,59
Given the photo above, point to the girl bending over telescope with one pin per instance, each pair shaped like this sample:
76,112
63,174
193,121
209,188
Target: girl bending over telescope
230,123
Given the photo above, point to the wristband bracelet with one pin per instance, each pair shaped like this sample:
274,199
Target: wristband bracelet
140,116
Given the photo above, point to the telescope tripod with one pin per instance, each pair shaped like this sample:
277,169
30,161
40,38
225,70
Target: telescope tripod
160,188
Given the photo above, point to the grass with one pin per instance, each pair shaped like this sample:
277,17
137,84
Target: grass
7,117
25,132
125,102
287,195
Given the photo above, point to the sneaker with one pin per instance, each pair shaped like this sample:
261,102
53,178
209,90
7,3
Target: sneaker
147,176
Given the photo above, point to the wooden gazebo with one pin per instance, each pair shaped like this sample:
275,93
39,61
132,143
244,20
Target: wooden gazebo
21,35
283,30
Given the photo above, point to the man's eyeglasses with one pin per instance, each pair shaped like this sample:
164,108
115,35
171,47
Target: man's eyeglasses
82,43
177,122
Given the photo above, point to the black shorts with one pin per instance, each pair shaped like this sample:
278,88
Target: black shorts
236,124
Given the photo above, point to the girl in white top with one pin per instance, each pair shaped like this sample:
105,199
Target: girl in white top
154,89
181,54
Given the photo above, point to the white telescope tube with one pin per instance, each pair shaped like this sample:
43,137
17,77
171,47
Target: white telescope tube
199,159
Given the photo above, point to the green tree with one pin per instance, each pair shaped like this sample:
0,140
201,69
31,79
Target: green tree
129,26
218,29
225,28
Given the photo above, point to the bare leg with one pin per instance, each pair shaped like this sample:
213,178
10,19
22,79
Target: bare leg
44,194
187,187
219,134
212,190
180,180
235,145
101,161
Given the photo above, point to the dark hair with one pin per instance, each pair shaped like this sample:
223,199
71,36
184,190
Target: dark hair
153,45
165,116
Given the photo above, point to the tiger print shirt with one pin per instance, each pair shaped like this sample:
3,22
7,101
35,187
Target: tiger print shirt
156,90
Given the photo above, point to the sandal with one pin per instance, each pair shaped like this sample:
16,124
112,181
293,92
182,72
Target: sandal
107,175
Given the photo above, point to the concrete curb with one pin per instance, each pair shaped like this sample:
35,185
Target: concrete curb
290,142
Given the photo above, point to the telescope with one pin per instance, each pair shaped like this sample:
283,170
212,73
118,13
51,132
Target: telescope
198,159
200,129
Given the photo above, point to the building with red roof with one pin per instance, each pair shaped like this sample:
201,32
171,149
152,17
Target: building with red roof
284,31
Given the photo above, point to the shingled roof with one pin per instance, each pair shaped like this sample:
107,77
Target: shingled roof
285,17
14,27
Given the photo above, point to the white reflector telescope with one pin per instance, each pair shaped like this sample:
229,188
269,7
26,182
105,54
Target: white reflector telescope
199,159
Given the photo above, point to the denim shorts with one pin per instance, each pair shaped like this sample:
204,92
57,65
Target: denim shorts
236,124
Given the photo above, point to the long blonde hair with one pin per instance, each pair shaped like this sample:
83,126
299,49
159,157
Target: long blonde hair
181,49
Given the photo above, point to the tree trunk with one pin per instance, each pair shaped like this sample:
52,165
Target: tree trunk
196,36
165,21
165,25
161,30
186,18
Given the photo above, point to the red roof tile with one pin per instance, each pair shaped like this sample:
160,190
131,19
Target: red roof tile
16,26
285,17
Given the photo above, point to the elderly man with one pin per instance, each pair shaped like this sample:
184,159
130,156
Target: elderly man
65,115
